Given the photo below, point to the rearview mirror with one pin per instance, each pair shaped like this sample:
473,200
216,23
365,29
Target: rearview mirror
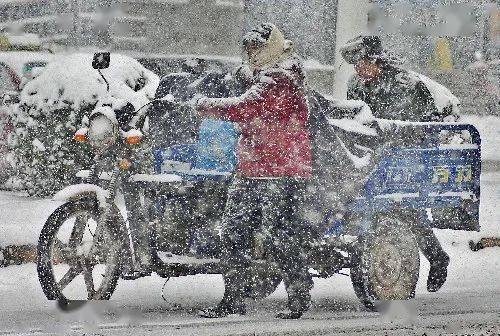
101,60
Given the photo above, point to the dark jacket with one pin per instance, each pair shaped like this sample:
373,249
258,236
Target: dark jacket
172,124
398,94
342,159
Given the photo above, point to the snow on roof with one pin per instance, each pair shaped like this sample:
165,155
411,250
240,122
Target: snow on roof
70,79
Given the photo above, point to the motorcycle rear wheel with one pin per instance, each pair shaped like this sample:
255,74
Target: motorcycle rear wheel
79,257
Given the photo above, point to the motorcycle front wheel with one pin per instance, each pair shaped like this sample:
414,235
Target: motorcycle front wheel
78,255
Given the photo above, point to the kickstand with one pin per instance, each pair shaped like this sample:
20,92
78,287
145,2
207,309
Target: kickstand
163,289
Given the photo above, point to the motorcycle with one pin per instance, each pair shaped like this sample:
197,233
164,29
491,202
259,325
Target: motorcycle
425,171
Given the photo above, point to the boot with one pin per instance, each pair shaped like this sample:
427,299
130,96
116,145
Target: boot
223,309
299,300
233,301
437,274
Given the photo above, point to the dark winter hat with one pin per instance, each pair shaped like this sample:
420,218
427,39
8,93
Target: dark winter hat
363,47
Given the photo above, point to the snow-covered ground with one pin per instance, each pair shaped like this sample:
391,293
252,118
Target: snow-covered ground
468,302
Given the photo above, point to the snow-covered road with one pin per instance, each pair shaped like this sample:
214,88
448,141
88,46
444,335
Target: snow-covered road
469,302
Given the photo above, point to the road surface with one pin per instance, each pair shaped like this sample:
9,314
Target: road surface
468,304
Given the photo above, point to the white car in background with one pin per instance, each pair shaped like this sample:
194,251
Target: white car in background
21,60
19,67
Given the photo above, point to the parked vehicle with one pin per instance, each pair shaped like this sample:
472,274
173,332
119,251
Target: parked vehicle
21,58
421,168
18,65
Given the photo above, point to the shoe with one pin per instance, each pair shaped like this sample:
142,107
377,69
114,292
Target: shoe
222,310
369,305
437,274
289,315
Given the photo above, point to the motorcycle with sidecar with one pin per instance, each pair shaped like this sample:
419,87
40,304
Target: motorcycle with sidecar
126,224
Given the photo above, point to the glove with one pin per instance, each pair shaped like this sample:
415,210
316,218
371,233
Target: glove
243,75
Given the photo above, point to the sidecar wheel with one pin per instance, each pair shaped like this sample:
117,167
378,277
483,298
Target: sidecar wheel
77,258
386,263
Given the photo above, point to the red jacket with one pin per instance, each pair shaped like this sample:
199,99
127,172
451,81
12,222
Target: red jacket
273,117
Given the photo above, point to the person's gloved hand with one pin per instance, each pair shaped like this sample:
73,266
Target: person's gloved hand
243,75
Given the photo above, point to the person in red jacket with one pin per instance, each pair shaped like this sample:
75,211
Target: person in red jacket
274,164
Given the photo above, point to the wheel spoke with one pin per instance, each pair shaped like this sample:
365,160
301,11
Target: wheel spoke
61,253
78,231
97,243
89,280
68,277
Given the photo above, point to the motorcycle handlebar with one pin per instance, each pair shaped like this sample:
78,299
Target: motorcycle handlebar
141,114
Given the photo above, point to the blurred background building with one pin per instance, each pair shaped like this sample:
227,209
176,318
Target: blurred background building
161,26
441,38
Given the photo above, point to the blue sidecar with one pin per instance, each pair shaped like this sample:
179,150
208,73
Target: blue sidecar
433,180
439,176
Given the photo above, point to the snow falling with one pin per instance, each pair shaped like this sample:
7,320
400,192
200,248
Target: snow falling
249,167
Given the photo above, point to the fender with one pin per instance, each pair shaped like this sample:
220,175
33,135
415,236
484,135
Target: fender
78,191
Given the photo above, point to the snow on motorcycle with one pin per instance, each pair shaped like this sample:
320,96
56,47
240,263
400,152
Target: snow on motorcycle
372,177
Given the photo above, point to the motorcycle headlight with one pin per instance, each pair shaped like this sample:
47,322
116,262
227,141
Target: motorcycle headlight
102,132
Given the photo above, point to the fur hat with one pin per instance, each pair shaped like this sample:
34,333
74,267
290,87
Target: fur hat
268,46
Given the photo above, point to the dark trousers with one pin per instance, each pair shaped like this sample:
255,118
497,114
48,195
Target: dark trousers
427,242
274,207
